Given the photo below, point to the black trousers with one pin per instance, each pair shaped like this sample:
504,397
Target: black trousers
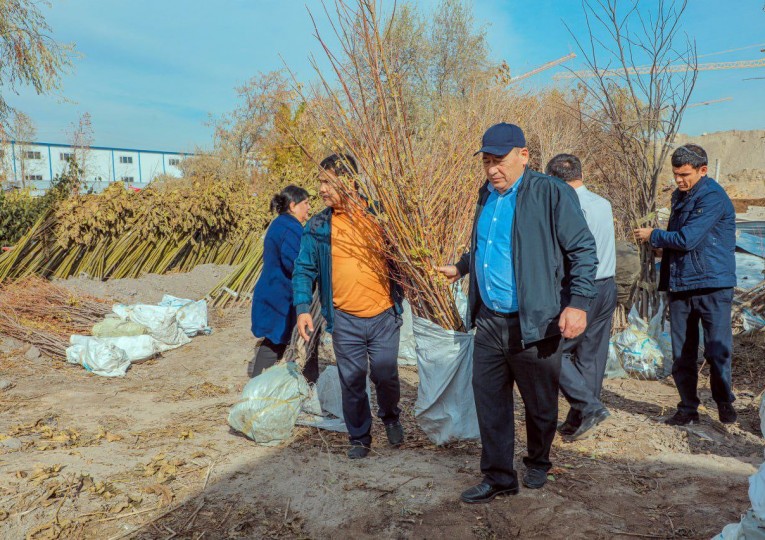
499,363
712,307
269,353
367,344
585,357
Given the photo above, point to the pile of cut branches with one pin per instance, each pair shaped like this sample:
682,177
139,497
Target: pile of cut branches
120,233
237,287
38,312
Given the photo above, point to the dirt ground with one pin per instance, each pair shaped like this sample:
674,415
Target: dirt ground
151,455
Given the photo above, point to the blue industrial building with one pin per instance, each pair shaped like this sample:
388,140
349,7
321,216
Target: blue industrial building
36,164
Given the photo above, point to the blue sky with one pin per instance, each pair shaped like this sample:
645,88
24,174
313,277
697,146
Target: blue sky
152,72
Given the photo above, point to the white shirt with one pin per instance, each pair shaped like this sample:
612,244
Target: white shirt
600,220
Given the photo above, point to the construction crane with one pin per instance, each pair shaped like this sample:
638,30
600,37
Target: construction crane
643,70
709,102
542,68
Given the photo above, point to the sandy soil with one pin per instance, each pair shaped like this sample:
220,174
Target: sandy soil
151,287
150,455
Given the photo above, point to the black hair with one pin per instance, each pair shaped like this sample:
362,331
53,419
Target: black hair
340,165
690,154
567,167
282,200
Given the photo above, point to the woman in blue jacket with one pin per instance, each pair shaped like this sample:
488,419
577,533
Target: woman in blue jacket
273,316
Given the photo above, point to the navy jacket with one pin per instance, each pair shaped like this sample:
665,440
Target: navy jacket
700,241
315,262
554,255
273,316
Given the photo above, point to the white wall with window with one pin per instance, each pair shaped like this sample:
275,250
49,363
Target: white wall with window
37,164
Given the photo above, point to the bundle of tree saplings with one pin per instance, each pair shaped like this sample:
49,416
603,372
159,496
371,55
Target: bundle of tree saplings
120,233
237,286
35,311
417,164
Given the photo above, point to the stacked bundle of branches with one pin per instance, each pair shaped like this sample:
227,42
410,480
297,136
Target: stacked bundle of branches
36,311
423,174
120,233
237,287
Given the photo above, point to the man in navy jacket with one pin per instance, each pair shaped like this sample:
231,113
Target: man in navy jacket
532,264
698,269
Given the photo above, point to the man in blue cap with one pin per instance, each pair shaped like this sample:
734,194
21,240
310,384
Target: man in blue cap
532,264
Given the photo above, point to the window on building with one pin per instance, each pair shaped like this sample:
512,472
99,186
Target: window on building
174,161
32,177
128,179
30,154
65,156
126,159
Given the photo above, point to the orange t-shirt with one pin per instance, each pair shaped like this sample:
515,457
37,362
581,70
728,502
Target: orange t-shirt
360,274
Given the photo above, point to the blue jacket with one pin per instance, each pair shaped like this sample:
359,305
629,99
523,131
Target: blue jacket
273,316
700,241
554,255
315,262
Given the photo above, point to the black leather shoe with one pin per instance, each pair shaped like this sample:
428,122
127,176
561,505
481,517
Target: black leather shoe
682,419
572,422
358,451
395,433
727,413
589,422
483,493
534,478
564,428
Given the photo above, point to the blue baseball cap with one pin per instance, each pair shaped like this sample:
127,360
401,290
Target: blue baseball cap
499,139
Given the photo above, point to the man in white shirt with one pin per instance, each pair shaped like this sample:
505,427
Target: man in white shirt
585,357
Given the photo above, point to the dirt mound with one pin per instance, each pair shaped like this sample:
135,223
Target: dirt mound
746,184
741,206
735,150
151,287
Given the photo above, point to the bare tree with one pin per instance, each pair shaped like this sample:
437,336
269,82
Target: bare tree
6,155
80,139
30,56
641,73
22,131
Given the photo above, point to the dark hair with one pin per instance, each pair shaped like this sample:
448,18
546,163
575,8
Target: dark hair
282,200
690,154
567,167
340,165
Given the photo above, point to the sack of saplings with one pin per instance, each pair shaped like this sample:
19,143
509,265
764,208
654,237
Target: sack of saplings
270,404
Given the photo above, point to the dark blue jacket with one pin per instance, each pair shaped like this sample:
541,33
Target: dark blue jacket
273,316
700,241
554,255
315,262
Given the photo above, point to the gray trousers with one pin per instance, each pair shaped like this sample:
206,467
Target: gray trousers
367,344
585,357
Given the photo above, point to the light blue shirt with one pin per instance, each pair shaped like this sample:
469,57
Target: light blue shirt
600,221
494,251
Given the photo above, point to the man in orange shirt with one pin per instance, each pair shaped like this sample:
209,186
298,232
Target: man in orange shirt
343,248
